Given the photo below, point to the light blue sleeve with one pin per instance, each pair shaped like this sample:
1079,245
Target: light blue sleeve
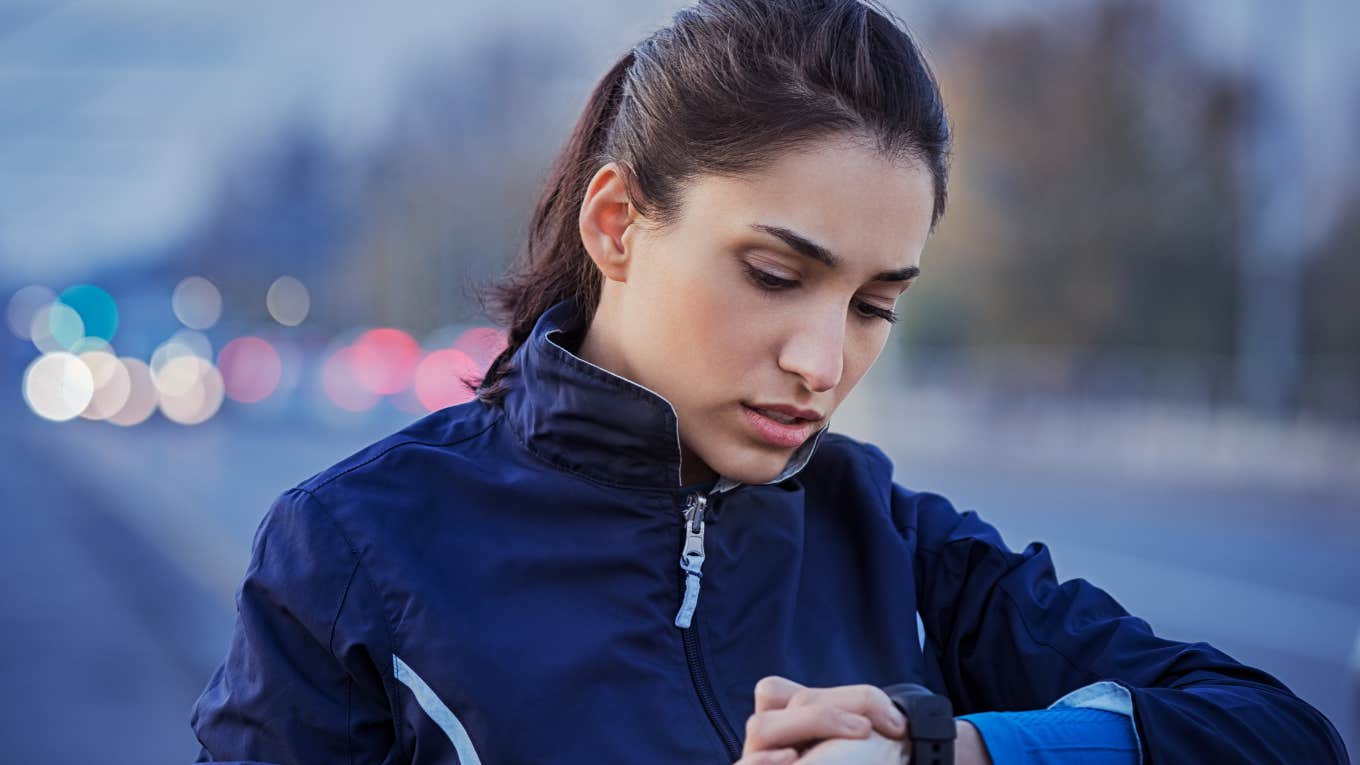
1092,725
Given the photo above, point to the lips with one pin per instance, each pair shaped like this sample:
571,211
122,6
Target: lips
786,431
786,412
780,416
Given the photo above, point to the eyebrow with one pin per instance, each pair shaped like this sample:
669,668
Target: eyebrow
810,249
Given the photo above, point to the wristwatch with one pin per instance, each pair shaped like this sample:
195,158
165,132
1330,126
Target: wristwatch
930,719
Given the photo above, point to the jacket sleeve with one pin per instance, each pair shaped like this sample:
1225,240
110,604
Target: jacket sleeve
301,681
1007,636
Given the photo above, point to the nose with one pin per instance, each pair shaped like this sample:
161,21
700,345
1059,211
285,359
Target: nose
816,351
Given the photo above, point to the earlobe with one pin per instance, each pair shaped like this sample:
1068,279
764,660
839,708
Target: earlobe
606,215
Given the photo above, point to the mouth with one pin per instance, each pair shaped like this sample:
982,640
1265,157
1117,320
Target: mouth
780,417
778,428
786,413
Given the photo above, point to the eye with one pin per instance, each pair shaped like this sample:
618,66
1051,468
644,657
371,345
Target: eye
767,281
770,283
873,312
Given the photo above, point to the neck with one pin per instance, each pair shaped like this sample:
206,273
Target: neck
602,347
693,469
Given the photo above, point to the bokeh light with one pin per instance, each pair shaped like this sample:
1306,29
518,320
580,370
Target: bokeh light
288,301
55,327
251,369
87,344
183,343
58,386
66,324
197,343
341,385
111,385
482,345
97,310
384,360
196,302
23,304
438,378
141,400
190,388
292,360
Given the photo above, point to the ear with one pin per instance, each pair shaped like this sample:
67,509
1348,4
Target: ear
606,222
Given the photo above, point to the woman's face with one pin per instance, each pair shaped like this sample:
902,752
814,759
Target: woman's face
770,290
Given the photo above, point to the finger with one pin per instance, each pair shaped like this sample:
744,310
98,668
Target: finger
775,757
773,692
875,749
779,728
866,700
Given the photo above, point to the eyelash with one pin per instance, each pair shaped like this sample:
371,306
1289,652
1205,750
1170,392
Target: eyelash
771,283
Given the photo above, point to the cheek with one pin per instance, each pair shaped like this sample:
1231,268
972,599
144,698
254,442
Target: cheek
723,325
690,333
746,334
860,355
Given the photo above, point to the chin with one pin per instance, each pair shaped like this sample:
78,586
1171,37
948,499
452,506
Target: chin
756,467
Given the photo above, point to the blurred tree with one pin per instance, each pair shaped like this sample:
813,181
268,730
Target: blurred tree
284,209
448,191
1093,209
396,235
1331,328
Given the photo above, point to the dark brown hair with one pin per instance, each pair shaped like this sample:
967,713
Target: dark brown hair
725,88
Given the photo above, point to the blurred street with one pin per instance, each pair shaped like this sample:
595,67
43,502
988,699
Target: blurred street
124,561
239,242
121,571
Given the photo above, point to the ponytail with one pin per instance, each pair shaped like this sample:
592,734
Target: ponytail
553,265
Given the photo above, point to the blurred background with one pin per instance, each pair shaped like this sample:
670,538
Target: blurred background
238,242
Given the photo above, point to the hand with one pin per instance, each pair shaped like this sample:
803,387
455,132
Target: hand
790,717
874,750
969,749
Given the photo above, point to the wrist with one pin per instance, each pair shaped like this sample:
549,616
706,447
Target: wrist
969,748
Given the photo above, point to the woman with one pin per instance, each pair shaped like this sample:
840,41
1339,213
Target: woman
641,543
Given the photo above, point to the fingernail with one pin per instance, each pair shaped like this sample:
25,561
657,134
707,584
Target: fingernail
781,757
898,720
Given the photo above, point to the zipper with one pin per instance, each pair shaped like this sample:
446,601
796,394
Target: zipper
692,558
691,564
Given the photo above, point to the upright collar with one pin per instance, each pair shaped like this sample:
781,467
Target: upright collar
588,420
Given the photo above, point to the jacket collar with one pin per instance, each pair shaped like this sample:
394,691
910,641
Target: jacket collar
588,420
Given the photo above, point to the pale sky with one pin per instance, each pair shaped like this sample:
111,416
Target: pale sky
118,114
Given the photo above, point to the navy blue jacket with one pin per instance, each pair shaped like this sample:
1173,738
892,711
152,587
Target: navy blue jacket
503,584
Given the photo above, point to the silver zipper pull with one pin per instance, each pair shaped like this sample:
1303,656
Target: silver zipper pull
692,558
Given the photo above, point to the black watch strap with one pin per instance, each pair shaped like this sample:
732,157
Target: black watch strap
930,719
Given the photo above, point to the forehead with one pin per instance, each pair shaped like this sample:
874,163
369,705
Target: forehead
851,199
